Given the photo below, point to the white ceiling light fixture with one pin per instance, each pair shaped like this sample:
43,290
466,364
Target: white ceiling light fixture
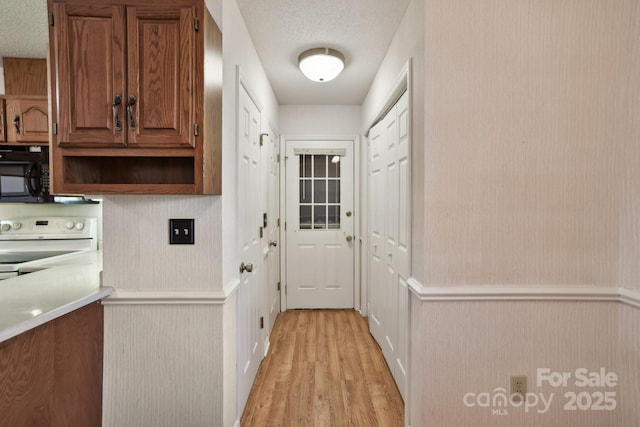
321,64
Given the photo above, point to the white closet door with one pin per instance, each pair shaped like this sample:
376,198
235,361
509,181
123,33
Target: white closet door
376,197
402,258
389,156
389,236
403,261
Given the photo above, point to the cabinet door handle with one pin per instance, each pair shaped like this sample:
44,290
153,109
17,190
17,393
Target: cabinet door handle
132,119
117,124
16,123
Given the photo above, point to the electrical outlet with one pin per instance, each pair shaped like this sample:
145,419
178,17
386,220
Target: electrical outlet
518,387
181,231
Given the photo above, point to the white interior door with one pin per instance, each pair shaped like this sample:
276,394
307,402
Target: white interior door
272,231
389,233
320,224
249,223
376,210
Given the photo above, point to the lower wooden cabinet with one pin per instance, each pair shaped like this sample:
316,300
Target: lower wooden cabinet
52,375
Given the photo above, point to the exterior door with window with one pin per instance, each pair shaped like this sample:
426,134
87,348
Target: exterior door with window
319,224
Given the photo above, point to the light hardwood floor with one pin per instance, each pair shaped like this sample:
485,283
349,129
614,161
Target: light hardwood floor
323,369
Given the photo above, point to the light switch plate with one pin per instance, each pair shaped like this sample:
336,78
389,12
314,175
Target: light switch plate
181,231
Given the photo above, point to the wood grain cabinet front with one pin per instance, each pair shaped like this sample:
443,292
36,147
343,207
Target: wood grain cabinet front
131,111
27,120
52,375
3,129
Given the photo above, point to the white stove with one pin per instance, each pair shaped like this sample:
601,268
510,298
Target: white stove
26,242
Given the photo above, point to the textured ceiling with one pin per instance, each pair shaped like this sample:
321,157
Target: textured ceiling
361,29
280,29
23,28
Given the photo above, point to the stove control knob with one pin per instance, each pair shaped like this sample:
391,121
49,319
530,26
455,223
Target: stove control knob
17,225
6,227
80,226
70,225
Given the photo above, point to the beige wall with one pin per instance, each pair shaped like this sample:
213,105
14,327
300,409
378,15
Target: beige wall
630,151
194,342
526,120
475,346
531,135
408,43
137,254
319,120
163,365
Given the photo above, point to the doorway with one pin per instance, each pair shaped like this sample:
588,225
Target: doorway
250,295
320,224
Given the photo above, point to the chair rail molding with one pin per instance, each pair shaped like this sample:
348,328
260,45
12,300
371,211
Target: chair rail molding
524,293
173,297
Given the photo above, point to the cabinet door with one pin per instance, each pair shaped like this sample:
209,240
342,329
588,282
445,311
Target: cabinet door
28,120
161,62
3,134
90,75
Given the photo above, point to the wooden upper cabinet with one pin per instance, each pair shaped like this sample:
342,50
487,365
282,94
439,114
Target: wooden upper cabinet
3,128
132,112
161,75
112,95
89,53
27,120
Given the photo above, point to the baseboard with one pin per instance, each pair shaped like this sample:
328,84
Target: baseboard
267,344
524,293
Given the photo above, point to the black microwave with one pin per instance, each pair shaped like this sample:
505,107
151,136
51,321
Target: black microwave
24,176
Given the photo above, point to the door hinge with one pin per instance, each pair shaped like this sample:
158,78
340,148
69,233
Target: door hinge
285,290
261,231
261,322
196,129
54,129
278,286
262,135
285,226
196,24
278,222
264,220
51,21
278,158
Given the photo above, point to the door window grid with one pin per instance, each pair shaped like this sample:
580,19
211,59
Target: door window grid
319,192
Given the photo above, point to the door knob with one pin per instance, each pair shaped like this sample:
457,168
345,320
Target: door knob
349,238
246,267
273,243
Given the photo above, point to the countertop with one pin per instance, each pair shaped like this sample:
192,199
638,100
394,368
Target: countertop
57,287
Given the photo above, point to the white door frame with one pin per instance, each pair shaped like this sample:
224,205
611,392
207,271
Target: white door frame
357,211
